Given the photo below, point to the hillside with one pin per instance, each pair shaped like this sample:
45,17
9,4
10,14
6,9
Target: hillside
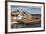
27,18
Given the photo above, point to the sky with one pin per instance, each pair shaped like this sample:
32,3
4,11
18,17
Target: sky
30,9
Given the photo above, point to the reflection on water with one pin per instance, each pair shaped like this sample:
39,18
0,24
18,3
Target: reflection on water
25,25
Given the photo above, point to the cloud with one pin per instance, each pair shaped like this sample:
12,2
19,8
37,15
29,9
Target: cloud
30,9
